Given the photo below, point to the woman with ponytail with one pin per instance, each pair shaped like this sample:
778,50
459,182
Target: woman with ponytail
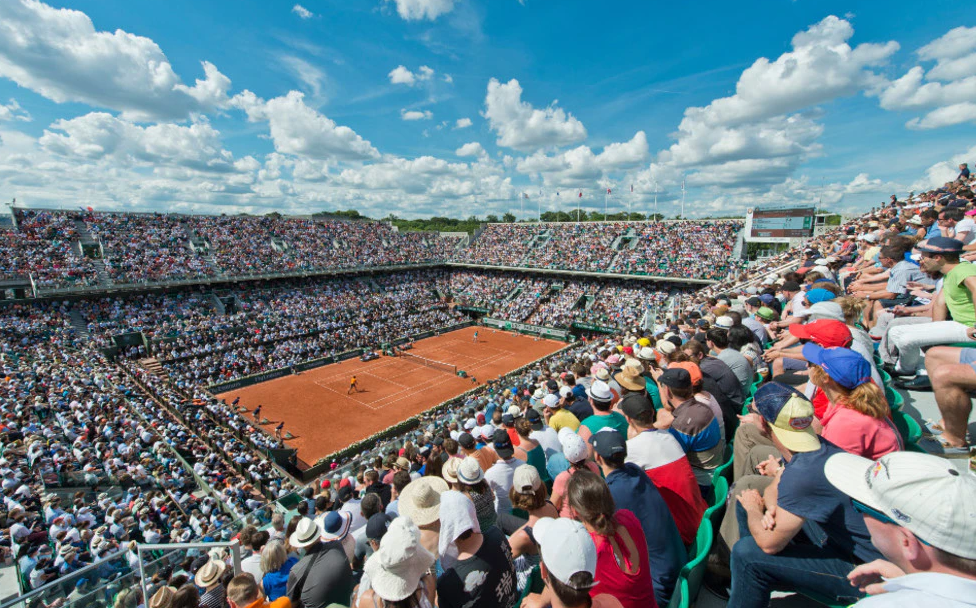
857,418
623,569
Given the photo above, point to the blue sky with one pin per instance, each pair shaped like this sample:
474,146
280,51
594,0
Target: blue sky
456,107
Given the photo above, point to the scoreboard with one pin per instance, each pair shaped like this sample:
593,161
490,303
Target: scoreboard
780,224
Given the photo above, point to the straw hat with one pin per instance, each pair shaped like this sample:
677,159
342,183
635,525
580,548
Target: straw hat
421,500
396,568
630,378
449,470
163,598
209,574
305,534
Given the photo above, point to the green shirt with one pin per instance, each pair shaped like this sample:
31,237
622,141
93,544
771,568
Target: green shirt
958,298
596,423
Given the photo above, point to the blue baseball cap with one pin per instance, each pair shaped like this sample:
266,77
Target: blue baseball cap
819,295
789,415
940,244
844,366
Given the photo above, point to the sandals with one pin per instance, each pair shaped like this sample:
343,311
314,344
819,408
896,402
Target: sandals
933,428
949,451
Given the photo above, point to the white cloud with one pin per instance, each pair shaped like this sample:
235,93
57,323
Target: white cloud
760,135
521,127
472,148
462,123
58,53
580,164
98,136
417,10
947,91
448,78
302,12
12,111
416,115
311,76
945,171
402,75
300,130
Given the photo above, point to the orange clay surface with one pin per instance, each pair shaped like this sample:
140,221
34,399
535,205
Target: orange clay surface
317,410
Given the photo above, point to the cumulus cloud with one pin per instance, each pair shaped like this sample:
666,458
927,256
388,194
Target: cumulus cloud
59,54
947,91
300,130
521,127
462,123
945,171
12,111
418,10
302,12
401,75
98,136
762,133
580,164
472,148
416,114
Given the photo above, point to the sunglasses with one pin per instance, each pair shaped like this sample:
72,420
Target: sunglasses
863,509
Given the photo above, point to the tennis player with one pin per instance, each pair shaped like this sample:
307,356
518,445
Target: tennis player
353,385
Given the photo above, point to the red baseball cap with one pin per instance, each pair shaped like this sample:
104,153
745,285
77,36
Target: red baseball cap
828,333
326,484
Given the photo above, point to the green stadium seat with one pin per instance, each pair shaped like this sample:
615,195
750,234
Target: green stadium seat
534,584
679,599
694,570
895,400
714,513
909,428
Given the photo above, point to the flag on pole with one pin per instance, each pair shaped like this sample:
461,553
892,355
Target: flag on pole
608,190
524,195
632,187
581,194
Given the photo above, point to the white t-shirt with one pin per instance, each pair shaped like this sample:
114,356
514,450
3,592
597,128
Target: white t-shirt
967,226
924,589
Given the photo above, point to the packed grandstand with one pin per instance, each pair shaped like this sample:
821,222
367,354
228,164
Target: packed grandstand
655,440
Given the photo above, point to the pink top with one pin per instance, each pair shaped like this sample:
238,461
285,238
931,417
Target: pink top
632,590
859,433
562,480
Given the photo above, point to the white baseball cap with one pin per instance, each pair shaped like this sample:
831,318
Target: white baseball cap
920,492
526,479
567,548
565,391
725,322
574,448
550,400
600,391
824,310
514,411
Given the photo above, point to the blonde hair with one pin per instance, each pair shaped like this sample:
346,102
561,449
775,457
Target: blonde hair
273,556
866,398
852,308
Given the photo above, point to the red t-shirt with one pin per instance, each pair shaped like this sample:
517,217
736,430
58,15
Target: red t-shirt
632,590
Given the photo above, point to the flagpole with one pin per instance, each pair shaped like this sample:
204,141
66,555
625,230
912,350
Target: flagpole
655,201
606,197
522,206
682,199
630,211
540,206
579,199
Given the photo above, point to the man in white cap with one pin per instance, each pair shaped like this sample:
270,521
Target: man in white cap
921,513
568,566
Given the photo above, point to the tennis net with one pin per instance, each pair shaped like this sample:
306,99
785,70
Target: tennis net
444,367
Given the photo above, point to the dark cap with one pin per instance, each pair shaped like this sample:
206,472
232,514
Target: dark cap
791,286
508,420
754,301
635,404
438,440
534,418
553,386
377,525
466,441
940,244
675,378
503,444
608,442
345,493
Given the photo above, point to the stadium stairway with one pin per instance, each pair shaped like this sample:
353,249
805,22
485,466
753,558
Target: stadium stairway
154,366
79,325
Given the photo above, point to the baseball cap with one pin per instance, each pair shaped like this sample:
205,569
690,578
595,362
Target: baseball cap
565,391
635,404
600,391
790,286
825,332
819,295
844,366
514,411
526,479
693,370
551,401
377,525
724,322
789,414
766,313
567,548
767,298
574,448
553,386
940,244
507,419
534,418
920,492
754,301
665,347
608,442
675,377
503,444
466,441
869,237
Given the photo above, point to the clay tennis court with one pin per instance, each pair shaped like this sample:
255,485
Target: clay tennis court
316,409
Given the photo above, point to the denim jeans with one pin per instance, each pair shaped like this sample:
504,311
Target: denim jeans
801,566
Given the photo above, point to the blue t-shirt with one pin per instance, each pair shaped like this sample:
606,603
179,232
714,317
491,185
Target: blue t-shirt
632,489
805,492
275,583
